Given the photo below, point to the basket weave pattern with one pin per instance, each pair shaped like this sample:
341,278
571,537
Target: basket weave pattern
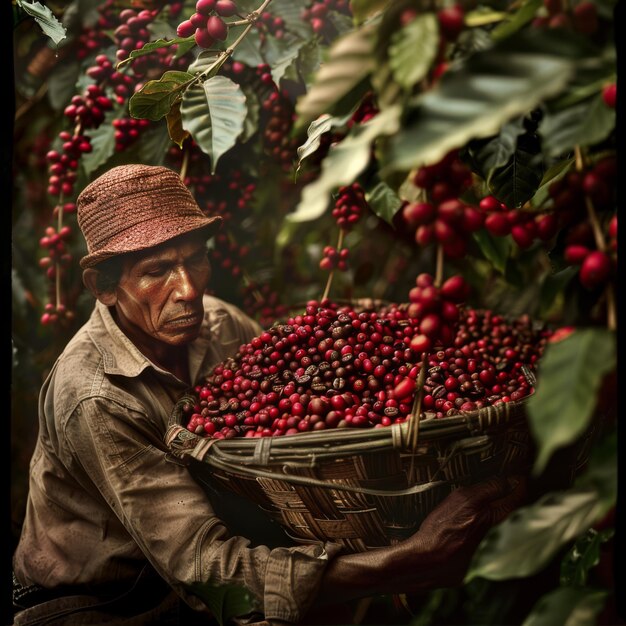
361,488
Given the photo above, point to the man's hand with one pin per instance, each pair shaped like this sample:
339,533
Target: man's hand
450,534
437,555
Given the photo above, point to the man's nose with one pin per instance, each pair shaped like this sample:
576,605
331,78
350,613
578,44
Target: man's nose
186,288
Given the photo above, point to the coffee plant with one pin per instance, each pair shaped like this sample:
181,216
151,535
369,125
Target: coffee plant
420,208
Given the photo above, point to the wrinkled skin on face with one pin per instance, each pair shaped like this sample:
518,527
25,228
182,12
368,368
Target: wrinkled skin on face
158,300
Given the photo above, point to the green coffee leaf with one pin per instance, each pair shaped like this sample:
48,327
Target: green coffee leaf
151,46
156,141
383,201
316,129
583,556
155,99
495,249
529,538
47,21
281,53
601,472
102,146
62,83
207,63
413,49
253,112
554,173
553,286
345,161
522,16
248,50
494,152
567,605
214,113
350,60
569,376
477,97
362,9
517,181
291,13
584,124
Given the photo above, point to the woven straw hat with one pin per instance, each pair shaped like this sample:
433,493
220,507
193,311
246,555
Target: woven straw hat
135,207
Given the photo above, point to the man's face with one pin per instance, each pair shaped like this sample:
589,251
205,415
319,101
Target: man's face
159,295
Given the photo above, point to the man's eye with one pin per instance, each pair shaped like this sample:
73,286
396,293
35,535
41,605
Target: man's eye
155,271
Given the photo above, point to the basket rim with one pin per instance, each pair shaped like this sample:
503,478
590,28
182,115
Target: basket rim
343,441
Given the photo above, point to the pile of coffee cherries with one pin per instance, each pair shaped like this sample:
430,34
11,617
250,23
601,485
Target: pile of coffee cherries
340,367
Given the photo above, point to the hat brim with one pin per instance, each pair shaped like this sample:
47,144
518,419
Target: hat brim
142,237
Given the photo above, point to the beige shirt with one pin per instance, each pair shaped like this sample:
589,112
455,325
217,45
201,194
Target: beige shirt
104,496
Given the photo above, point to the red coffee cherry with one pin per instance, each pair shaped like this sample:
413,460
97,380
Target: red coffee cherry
451,22
585,18
217,28
609,95
185,29
203,39
595,270
205,6
498,224
225,8
576,254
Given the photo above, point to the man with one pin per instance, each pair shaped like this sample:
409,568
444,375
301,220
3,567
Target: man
116,529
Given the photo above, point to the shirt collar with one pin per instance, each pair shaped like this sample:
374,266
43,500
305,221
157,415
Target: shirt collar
121,356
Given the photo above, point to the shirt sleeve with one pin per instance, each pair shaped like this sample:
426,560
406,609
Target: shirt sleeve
168,515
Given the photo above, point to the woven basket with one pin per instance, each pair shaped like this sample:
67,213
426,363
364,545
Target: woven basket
362,488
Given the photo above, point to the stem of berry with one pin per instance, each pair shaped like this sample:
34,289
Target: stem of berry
185,164
439,266
414,416
329,282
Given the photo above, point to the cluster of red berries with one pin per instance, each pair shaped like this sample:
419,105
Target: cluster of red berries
55,313
337,367
88,110
349,206
132,32
128,130
96,37
224,193
270,24
582,17
279,117
334,259
448,223
524,227
104,71
596,266
442,217
437,309
206,24
63,165
55,244
366,110
57,256
317,13
569,197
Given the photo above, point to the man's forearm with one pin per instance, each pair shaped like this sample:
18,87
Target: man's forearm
384,571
